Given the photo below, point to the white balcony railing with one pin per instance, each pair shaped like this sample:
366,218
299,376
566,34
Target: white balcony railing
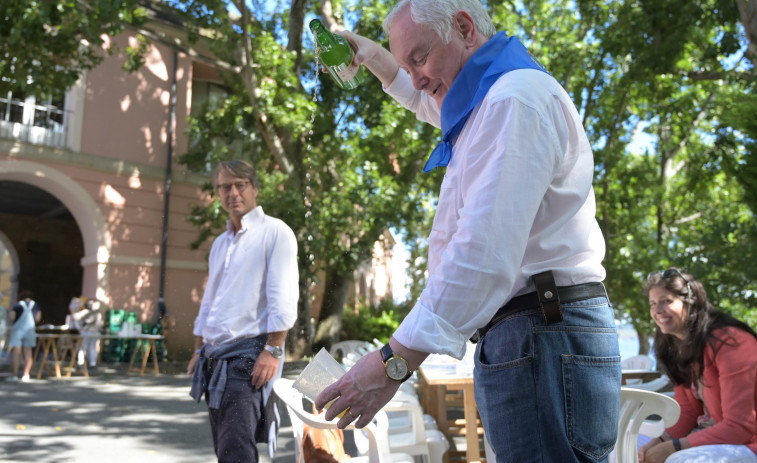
40,124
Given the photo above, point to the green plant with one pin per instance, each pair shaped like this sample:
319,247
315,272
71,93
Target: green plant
371,322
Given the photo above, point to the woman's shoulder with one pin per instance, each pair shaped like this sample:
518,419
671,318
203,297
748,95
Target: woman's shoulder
734,332
732,338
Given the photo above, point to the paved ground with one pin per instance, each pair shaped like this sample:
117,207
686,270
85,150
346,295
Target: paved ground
113,417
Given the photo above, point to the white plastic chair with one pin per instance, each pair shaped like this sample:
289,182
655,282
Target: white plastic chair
376,432
655,385
637,362
410,430
340,350
419,437
636,406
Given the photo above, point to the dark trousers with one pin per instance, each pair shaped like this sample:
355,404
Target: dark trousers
234,424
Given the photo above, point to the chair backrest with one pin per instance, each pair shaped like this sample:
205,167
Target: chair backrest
638,362
636,405
377,432
341,349
656,384
291,398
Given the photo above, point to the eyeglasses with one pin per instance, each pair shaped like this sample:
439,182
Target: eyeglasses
671,272
225,188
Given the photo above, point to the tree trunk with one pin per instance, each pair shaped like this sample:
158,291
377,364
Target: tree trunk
748,13
296,23
643,342
300,337
332,309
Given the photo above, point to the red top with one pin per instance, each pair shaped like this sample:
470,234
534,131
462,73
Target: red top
730,392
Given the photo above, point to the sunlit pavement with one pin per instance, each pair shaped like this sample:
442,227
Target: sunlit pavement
113,416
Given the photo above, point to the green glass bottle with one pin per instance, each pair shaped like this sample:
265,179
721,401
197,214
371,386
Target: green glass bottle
336,55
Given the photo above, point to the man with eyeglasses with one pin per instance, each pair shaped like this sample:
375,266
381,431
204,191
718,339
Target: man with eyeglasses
250,303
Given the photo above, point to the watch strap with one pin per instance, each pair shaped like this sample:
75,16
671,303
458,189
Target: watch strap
275,351
386,353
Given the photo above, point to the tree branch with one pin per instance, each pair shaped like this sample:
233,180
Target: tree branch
720,75
296,22
327,13
272,140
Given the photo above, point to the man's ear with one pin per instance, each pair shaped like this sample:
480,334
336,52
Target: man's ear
465,26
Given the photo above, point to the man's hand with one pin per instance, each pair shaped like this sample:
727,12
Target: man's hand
362,391
192,364
376,58
264,370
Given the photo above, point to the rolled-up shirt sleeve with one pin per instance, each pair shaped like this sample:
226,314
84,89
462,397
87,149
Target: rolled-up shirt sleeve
424,107
210,288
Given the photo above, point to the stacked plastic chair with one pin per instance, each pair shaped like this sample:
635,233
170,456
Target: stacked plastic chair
410,430
376,432
636,406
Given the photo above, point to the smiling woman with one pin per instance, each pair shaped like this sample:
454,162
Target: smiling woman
709,356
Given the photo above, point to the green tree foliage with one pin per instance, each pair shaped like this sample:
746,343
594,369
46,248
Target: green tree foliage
373,322
666,90
45,45
341,167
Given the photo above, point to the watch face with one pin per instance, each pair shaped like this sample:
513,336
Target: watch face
275,351
396,369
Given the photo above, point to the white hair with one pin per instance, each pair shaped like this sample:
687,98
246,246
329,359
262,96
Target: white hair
439,16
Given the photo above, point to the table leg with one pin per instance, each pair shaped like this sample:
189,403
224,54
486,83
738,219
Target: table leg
56,360
154,356
433,402
134,354
145,355
472,449
45,351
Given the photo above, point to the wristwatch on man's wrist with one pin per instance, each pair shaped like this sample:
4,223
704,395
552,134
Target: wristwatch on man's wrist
275,351
396,367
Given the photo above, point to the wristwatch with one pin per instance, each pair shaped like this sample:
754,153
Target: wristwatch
396,367
275,351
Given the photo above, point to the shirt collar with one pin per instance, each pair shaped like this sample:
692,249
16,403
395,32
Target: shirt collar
248,220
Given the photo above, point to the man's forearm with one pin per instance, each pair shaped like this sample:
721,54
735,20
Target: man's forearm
276,338
383,66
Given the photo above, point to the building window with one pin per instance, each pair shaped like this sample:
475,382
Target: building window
35,119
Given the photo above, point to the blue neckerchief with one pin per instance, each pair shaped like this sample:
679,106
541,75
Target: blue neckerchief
499,55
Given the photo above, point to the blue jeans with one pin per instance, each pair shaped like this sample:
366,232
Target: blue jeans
235,425
551,393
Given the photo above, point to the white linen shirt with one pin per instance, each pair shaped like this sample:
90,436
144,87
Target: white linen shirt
516,200
253,282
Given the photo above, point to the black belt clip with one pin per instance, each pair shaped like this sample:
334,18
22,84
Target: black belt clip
549,300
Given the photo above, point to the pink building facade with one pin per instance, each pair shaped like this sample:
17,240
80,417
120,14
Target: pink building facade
84,178
84,183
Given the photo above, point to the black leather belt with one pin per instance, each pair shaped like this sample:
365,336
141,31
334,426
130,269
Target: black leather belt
549,303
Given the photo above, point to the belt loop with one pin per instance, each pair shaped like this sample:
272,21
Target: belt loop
549,300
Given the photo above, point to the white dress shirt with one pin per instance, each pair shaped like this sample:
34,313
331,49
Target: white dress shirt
253,282
516,200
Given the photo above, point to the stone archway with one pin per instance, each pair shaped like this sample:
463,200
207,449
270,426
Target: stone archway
9,266
86,214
